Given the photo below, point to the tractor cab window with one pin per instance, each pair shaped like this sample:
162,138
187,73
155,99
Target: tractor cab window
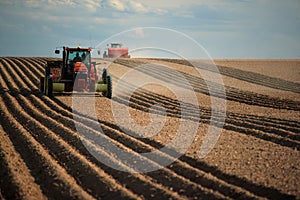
115,45
85,57
78,56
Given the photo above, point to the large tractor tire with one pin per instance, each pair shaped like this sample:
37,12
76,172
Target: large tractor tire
42,84
108,93
49,87
104,76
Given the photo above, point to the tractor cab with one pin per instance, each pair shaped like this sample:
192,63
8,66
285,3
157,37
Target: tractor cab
116,50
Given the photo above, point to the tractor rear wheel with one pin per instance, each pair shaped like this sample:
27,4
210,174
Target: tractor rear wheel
108,93
42,84
49,88
104,76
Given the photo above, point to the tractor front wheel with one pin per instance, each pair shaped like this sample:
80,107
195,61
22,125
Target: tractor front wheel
104,76
42,84
49,87
108,93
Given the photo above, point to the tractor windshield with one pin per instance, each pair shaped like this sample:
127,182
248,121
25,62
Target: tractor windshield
116,45
79,56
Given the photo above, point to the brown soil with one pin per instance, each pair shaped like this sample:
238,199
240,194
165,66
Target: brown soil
257,155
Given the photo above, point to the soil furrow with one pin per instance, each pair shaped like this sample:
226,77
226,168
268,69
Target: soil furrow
14,71
54,181
29,111
153,192
36,131
48,126
199,85
72,139
33,67
256,189
113,134
143,100
16,181
230,124
247,76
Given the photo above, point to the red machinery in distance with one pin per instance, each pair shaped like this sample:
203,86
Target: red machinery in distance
116,50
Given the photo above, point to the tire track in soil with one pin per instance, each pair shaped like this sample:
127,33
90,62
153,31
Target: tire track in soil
247,76
199,85
62,109
182,186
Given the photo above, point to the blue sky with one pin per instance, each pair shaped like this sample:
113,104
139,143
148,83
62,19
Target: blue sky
226,29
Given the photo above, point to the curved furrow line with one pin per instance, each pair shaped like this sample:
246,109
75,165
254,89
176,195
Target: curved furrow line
255,189
263,128
25,67
148,99
67,157
248,97
113,134
13,84
16,180
15,72
235,181
247,76
87,180
171,192
41,63
268,133
163,193
71,135
293,126
228,191
138,146
199,85
73,162
61,107
54,181
230,124
184,185
33,65
283,125
288,129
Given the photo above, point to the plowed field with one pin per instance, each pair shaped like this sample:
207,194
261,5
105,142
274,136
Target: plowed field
42,155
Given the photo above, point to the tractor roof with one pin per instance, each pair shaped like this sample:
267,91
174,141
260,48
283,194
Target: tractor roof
78,49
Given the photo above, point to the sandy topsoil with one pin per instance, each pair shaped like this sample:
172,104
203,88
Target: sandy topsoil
44,153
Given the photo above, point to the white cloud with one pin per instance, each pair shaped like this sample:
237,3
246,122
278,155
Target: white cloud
117,4
138,7
133,6
91,5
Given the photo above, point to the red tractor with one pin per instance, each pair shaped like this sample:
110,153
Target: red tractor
75,72
116,50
